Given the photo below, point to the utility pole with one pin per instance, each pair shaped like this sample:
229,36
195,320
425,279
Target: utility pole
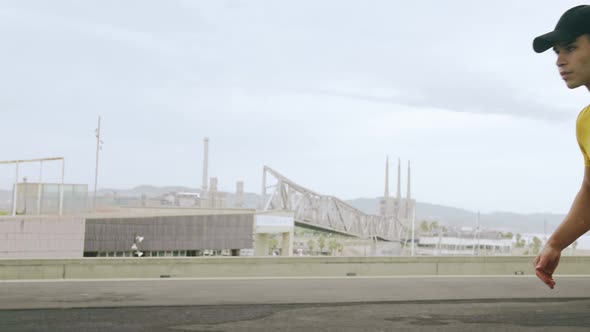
476,235
413,230
98,148
15,192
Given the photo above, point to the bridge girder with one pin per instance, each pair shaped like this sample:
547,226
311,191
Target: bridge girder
324,211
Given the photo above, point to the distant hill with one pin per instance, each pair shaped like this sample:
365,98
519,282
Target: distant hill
450,216
445,215
149,191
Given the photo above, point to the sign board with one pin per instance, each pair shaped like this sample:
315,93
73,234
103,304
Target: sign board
274,224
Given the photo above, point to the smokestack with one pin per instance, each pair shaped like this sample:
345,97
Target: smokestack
386,195
409,194
239,194
205,163
212,193
213,184
399,175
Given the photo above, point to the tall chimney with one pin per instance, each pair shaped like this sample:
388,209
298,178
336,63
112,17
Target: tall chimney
213,184
205,164
398,197
386,195
399,175
409,194
212,193
384,202
239,202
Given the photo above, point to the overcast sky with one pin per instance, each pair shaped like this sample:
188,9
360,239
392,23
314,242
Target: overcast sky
321,91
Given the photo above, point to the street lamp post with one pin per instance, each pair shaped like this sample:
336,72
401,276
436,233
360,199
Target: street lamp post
98,148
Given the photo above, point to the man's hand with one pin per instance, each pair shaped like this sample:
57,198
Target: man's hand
546,263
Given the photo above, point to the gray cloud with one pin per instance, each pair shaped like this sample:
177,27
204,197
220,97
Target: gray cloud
164,74
461,99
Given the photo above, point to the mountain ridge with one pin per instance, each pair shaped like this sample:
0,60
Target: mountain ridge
444,215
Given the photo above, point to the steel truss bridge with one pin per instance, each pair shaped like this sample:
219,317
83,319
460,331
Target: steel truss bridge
326,212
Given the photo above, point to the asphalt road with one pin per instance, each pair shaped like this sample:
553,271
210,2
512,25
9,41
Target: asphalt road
519,303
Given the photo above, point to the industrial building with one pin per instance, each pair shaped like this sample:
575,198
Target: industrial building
164,232
59,221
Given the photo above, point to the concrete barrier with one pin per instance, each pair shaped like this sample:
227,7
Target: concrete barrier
240,267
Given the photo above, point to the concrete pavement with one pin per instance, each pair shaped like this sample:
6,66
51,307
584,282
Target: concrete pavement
174,292
440,316
491,303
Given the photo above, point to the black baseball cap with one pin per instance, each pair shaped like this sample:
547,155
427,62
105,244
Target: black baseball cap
572,24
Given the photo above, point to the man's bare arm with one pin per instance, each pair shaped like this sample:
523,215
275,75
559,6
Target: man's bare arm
577,221
575,224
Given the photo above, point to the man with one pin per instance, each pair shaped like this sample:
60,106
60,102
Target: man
571,42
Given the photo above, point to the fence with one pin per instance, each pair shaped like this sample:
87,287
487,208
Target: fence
43,198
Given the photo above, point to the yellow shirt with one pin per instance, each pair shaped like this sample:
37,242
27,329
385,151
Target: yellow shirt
583,133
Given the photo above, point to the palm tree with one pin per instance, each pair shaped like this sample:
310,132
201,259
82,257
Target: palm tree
520,242
332,246
310,245
424,227
433,226
321,243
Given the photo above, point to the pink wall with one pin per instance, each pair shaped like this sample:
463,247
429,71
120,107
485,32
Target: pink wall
41,237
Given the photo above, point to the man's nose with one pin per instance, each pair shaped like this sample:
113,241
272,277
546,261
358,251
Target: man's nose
561,61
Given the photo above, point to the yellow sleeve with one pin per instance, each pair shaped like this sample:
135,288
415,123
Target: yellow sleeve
583,133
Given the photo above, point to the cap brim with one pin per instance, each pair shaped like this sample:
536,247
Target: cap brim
548,40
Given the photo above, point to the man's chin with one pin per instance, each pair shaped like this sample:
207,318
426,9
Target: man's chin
573,85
